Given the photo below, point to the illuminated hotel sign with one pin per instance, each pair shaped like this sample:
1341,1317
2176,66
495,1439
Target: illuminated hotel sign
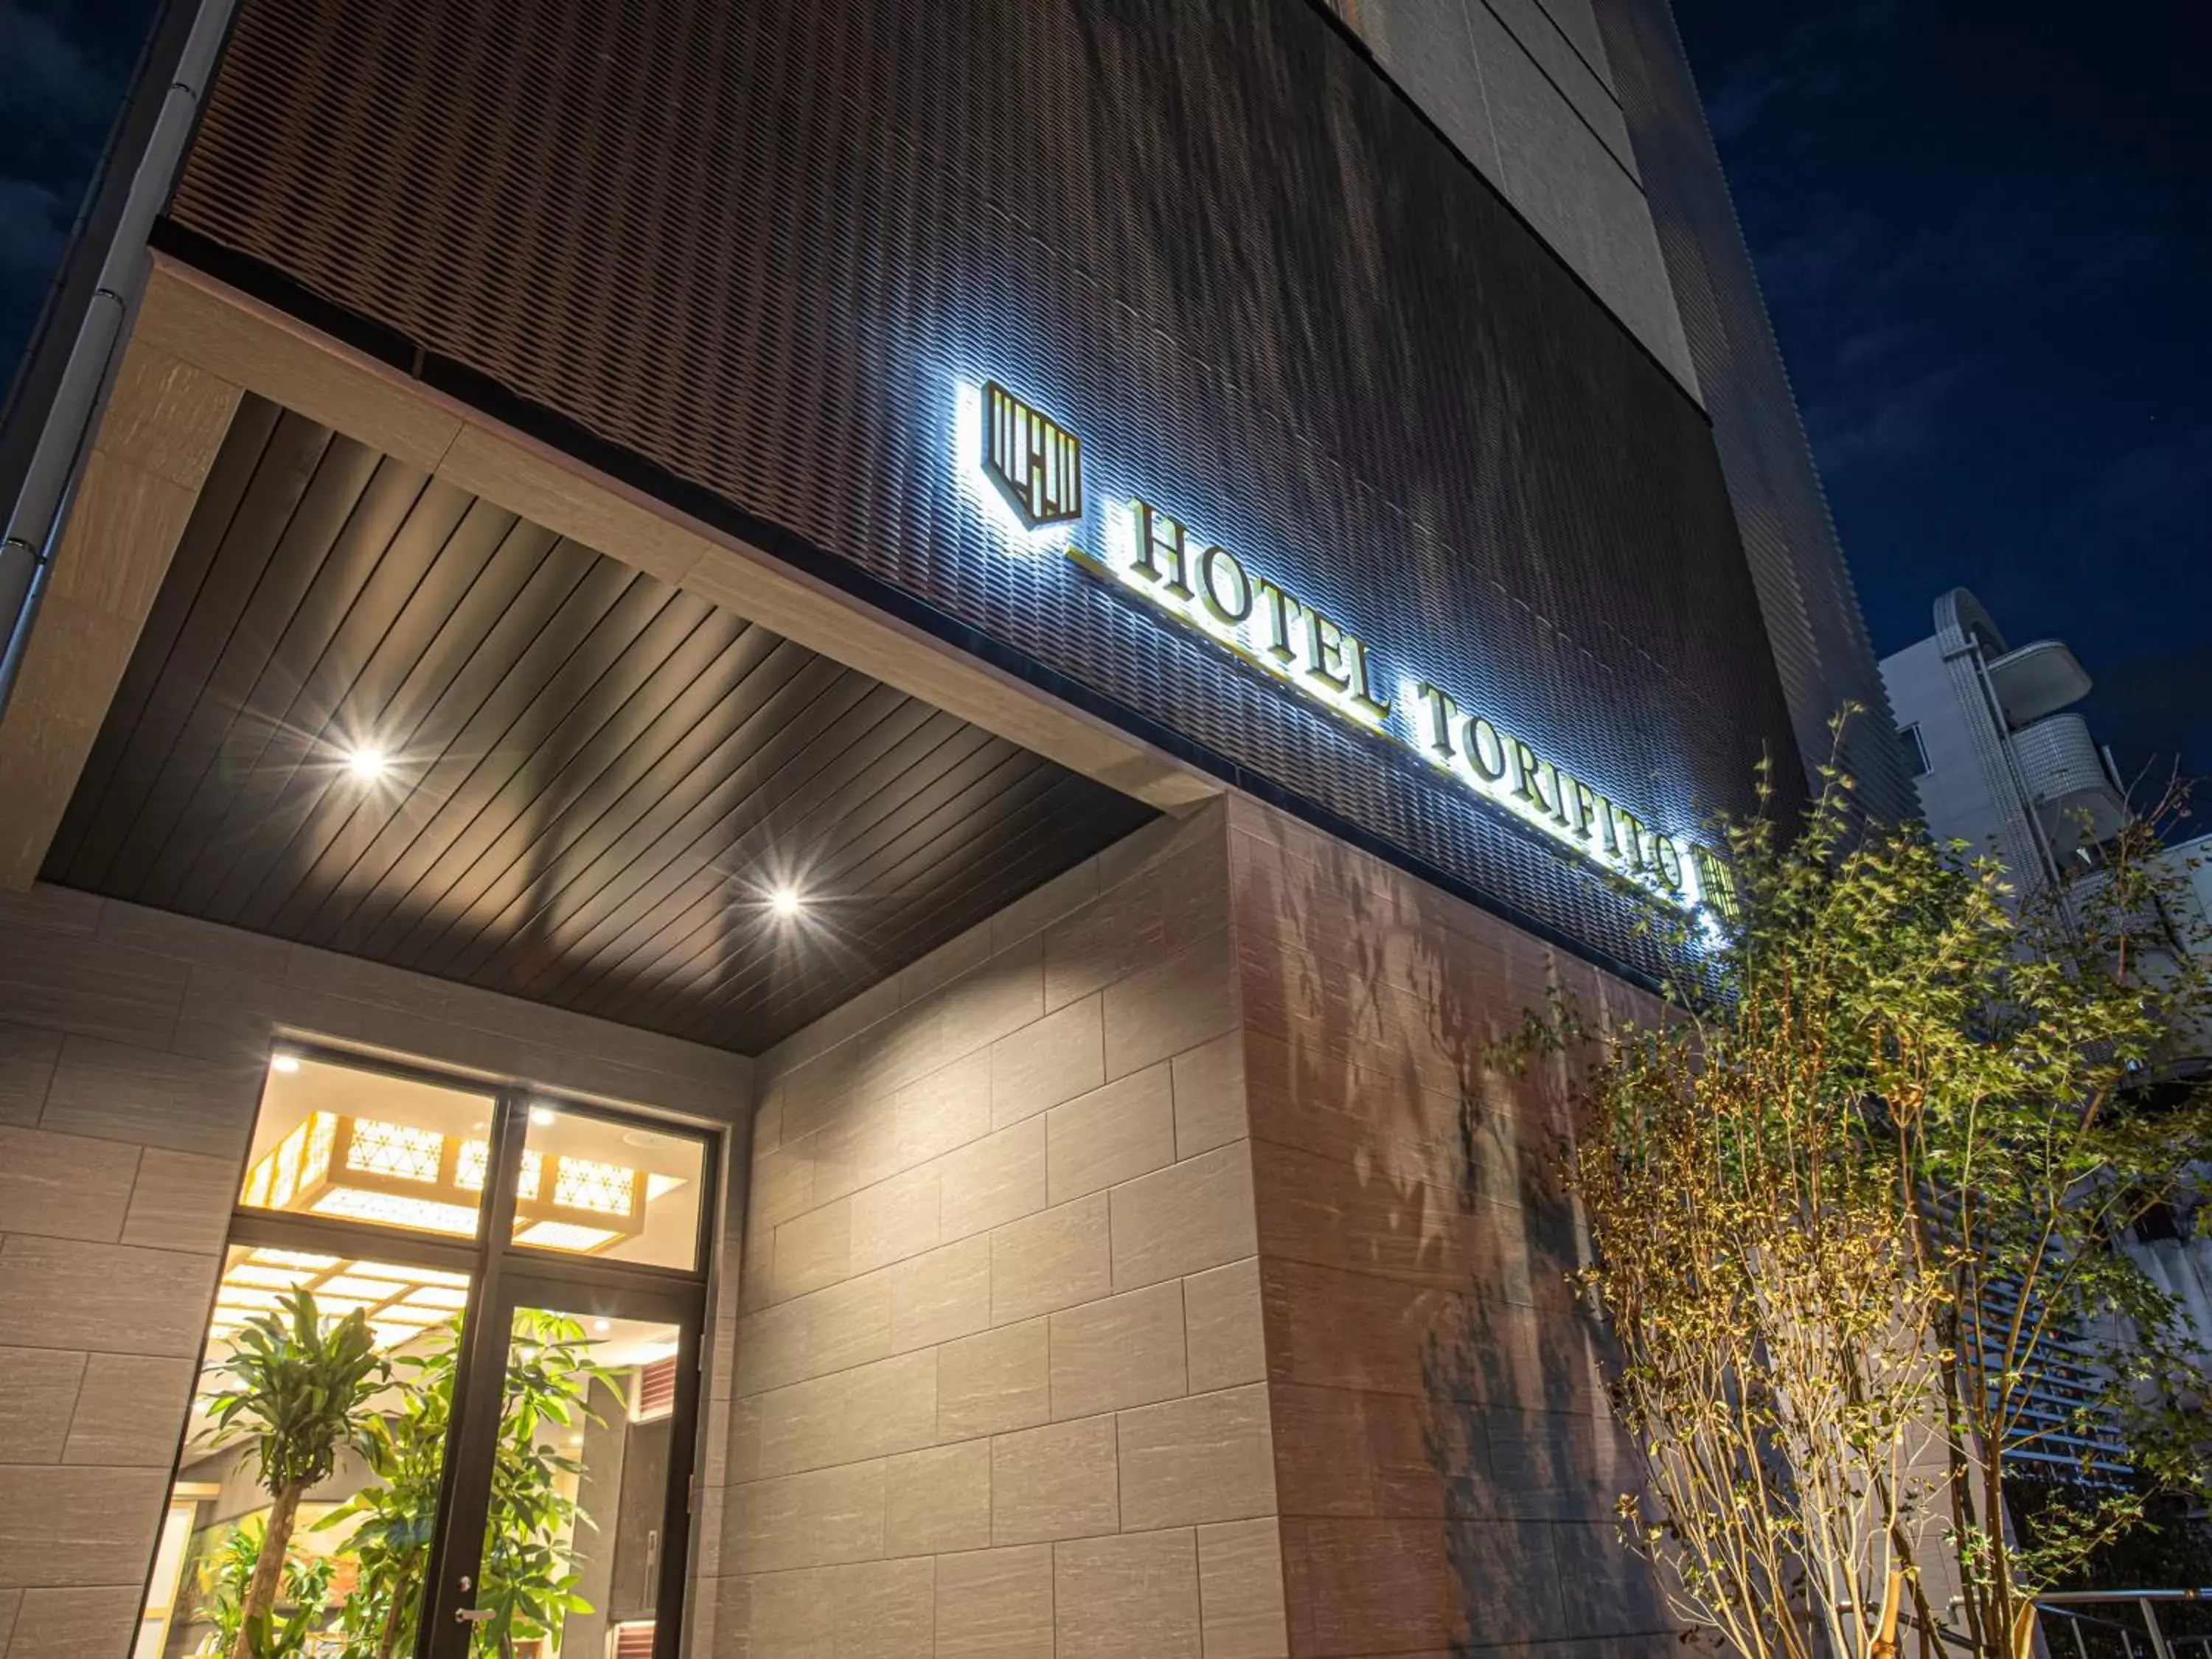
1027,473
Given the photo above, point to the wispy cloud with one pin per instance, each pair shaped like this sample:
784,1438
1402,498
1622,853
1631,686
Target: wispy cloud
50,75
34,221
1892,421
1812,59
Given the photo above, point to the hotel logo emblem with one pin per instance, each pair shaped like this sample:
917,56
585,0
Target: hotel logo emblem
1035,463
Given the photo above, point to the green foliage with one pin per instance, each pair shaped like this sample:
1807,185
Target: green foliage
527,1582
228,1570
1848,1198
394,1517
297,1388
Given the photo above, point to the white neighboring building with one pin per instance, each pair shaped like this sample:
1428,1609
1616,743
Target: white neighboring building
2002,761
1999,758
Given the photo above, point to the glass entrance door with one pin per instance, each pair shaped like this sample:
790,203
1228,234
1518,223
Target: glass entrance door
447,1398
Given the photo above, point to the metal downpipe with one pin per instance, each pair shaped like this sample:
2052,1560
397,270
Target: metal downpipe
40,509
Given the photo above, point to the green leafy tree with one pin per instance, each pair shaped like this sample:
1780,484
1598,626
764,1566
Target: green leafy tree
228,1569
527,1582
394,1517
296,1387
1849,1200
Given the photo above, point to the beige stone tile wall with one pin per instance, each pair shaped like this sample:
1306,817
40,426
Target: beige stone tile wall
1445,1463
133,1045
1000,1390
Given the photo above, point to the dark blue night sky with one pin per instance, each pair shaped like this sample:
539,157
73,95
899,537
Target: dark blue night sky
1983,232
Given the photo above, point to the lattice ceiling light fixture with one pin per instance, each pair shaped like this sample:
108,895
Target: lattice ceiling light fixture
364,1169
398,1302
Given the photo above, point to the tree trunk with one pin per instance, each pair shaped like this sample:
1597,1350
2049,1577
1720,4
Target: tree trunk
268,1568
387,1641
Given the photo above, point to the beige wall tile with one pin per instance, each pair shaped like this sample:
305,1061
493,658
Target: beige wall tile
998,1179
995,1604
884,1610
72,1527
820,1518
1003,995
742,1461
895,1219
1185,1218
900,1048
1224,1334
814,1251
944,1294
993,1382
847,1324
782,1182
1041,906
855,1144
118,1091
1175,1004
788,1613
1057,1058
38,1392
94,1623
868,1412
1131,1597
770,1349
1111,1134
1057,1481
1209,1095
129,1412
106,1296
949,1107
63,1186
1123,1351
27,1057
1053,1259
1210,1457
1240,1590
952,960
95,992
182,1200
939,1500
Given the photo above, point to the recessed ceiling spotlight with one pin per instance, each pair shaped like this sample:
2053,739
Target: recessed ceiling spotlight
366,764
285,1063
542,1116
786,901
601,1327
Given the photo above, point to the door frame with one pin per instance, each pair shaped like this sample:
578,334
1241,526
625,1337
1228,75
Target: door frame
504,1276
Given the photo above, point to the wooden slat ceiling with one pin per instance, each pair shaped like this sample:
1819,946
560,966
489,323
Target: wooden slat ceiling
595,778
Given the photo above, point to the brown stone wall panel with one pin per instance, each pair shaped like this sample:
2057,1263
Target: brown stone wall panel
995,1604
28,1056
70,1527
38,1391
94,1623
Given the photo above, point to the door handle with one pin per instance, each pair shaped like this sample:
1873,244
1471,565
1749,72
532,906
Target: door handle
473,1615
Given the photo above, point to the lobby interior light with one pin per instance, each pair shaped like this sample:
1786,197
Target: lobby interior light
366,764
364,1169
285,1063
785,900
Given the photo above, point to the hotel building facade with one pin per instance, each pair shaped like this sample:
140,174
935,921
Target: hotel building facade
834,728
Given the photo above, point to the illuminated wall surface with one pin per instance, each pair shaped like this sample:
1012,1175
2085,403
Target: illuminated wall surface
746,256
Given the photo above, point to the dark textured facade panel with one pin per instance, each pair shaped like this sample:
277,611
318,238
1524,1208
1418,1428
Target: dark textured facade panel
595,779
751,254
1811,611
